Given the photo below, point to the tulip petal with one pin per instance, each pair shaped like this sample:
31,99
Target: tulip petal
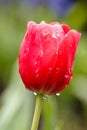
65,27
38,53
63,68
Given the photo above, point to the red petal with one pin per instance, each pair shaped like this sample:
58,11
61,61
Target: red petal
63,69
38,54
65,27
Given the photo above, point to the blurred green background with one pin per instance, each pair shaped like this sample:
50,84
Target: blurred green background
65,112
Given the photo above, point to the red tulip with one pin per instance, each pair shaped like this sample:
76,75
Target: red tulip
46,57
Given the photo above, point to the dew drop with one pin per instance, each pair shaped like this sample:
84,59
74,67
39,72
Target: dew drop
37,70
43,22
27,49
57,68
45,97
66,35
60,52
50,68
71,45
37,75
35,93
57,94
58,35
57,52
66,76
35,63
53,35
71,77
41,52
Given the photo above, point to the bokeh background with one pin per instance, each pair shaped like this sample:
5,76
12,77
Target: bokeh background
65,112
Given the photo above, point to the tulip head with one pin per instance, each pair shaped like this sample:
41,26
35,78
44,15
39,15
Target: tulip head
46,57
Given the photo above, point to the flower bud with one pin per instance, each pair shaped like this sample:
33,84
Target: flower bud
46,57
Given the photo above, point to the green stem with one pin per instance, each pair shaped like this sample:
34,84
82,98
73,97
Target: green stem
37,112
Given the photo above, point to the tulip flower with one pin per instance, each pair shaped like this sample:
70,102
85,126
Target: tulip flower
46,57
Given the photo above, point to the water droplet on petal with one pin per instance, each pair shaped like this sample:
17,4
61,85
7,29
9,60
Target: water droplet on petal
50,68
53,35
56,52
43,22
41,52
37,73
67,76
57,68
60,52
37,70
66,35
35,93
71,45
66,85
35,63
27,49
57,94
58,35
